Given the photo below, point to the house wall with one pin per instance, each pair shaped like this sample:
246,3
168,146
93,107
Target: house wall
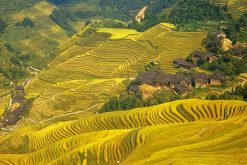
199,84
215,82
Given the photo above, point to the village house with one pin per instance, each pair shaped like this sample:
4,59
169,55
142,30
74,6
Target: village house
174,80
238,53
220,34
180,63
187,82
162,79
134,89
217,78
148,90
211,57
182,90
201,80
167,80
146,78
19,88
198,54
158,80
179,83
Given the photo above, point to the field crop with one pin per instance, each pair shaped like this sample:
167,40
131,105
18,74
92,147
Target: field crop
181,132
41,40
118,33
85,76
236,7
63,125
4,103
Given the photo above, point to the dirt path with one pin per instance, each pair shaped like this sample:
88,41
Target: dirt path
141,15
10,103
68,114
28,80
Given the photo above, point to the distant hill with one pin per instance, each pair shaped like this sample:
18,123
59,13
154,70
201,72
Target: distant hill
44,30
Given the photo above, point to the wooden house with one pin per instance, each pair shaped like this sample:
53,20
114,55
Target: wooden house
180,63
217,78
182,90
134,89
201,80
187,82
211,57
238,52
198,54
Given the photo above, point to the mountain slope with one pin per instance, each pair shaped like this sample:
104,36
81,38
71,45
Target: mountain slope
88,72
181,132
40,40
236,7
57,107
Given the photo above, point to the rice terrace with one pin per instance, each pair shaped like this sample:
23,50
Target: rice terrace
94,82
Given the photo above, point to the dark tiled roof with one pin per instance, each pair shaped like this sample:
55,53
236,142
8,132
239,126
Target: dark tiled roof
177,78
202,76
153,77
210,54
218,75
146,78
238,50
19,88
182,88
188,80
161,77
134,88
197,53
182,62
13,117
167,78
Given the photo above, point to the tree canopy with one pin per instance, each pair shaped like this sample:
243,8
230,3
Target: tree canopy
63,19
3,25
25,22
200,10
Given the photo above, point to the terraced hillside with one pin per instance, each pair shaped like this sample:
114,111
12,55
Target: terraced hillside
4,88
4,104
236,7
41,40
181,132
59,105
88,72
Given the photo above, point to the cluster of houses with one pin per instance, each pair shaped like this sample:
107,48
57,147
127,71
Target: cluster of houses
195,55
237,52
180,84
17,108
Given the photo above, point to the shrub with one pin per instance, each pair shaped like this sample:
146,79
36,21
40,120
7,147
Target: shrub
25,22
3,25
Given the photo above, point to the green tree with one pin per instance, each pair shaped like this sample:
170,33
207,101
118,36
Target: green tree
27,22
225,7
63,18
3,25
201,10
153,102
212,42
